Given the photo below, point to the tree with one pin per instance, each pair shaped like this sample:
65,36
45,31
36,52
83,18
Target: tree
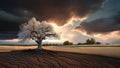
79,43
90,41
36,30
98,42
67,43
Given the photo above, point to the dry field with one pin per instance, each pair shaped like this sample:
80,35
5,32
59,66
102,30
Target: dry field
105,51
59,57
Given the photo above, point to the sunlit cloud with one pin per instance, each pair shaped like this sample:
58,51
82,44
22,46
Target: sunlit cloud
104,37
112,36
68,32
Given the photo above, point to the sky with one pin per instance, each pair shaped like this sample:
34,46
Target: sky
75,20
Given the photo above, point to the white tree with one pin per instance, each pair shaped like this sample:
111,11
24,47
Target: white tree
36,30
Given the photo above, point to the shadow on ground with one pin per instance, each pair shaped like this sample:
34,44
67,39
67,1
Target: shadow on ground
33,58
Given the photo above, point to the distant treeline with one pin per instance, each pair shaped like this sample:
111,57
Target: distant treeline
88,41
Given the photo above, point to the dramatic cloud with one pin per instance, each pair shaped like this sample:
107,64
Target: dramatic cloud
7,16
11,22
103,25
106,29
59,11
15,12
67,32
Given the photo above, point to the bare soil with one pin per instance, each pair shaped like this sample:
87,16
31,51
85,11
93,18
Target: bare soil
32,58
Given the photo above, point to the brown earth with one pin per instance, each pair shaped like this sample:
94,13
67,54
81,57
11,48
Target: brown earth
55,59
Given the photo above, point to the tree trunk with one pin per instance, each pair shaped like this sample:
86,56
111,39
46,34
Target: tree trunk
39,42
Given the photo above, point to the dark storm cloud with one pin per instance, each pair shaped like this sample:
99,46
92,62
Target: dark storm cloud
6,16
10,21
15,12
103,25
59,11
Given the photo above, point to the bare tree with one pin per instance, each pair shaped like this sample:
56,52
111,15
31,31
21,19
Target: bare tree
36,30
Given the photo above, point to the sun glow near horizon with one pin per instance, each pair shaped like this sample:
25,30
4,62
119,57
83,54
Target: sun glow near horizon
67,31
